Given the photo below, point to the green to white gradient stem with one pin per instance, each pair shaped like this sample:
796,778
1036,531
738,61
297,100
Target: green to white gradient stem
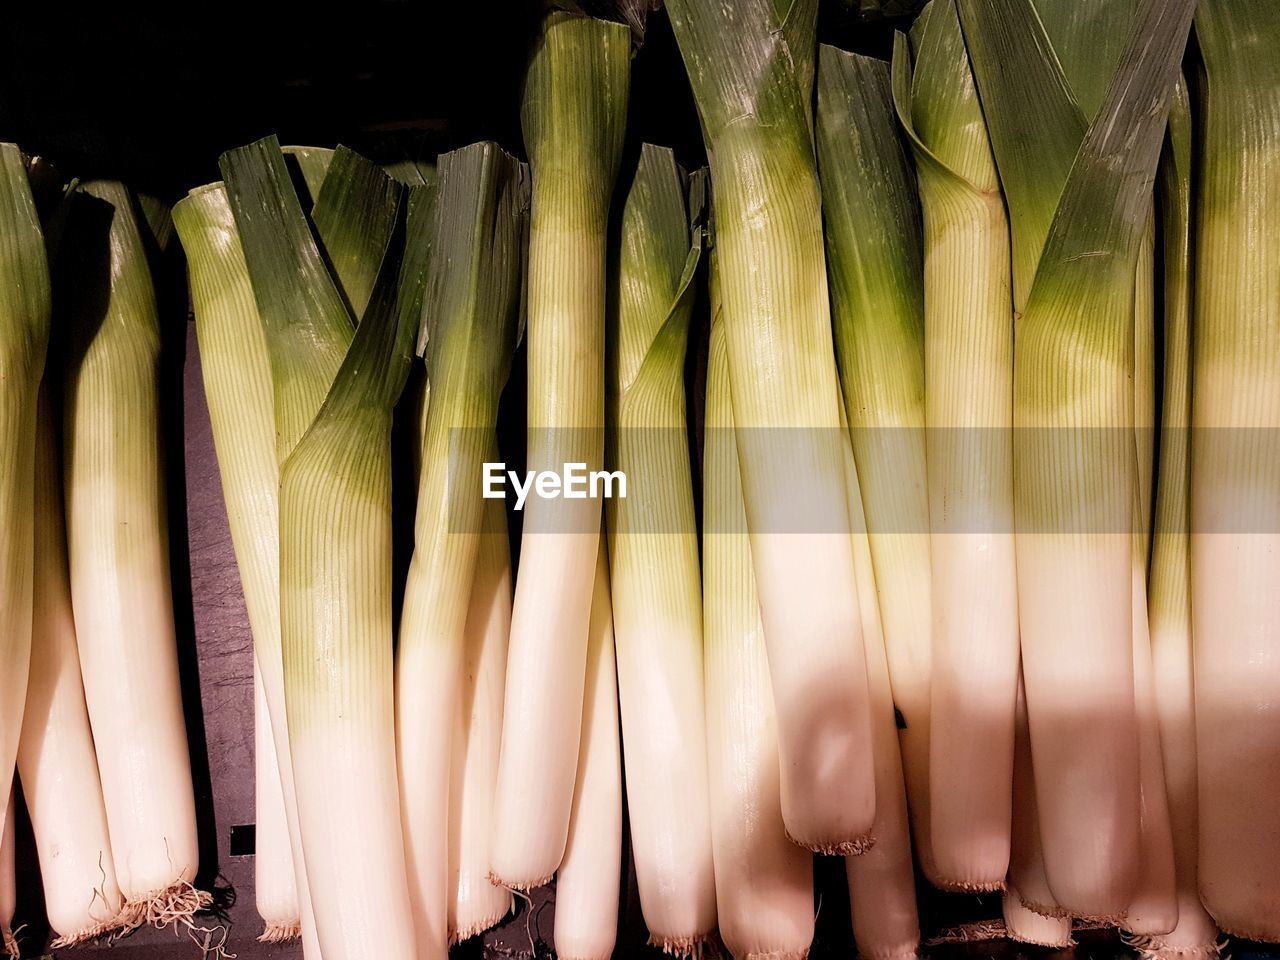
573,117
470,314
874,258
653,560
764,884
236,368
968,338
882,888
117,545
1169,593
24,335
56,757
1235,473
587,883
752,69
477,902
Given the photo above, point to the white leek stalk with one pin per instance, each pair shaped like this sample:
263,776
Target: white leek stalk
1024,925
757,123
1026,856
333,394
24,335
237,382
1078,197
1195,936
8,881
117,543
587,884
478,903
470,313
56,757
873,253
1235,470
764,884
882,888
968,324
653,561
573,118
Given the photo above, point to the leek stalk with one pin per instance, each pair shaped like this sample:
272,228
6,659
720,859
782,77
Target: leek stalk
587,884
764,884
1195,935
24,335
470,314
653,560
873,253
968,336
573,116
1024,925
56,758
1026,853
1235,473
752,67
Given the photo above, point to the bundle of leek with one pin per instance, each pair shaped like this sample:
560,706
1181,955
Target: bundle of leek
588,880
764,884
470,314
573,116
968,338
1235,470
1078,200
751,64
873,254
333,391
117,543
1195,935
56,758
653,557
24,335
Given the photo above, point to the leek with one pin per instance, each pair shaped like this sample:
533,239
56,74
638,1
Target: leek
1170,599
873,252
764,884
117,544
8,882
587,884
1024,925
333,394
882,890
573,117
470,313
56,757
24,335
237,382
653,560
1075,243
751,65
969,453
1235,473
477,903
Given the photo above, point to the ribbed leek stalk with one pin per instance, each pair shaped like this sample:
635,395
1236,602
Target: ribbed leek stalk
477,902
236,368
653,560
587,884
573,116
968,336
24,335
117,544
752,69
1169,605
8,882
1078,200
470,314
764,884
56,757
1235,472
873,253
882,889
333,394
